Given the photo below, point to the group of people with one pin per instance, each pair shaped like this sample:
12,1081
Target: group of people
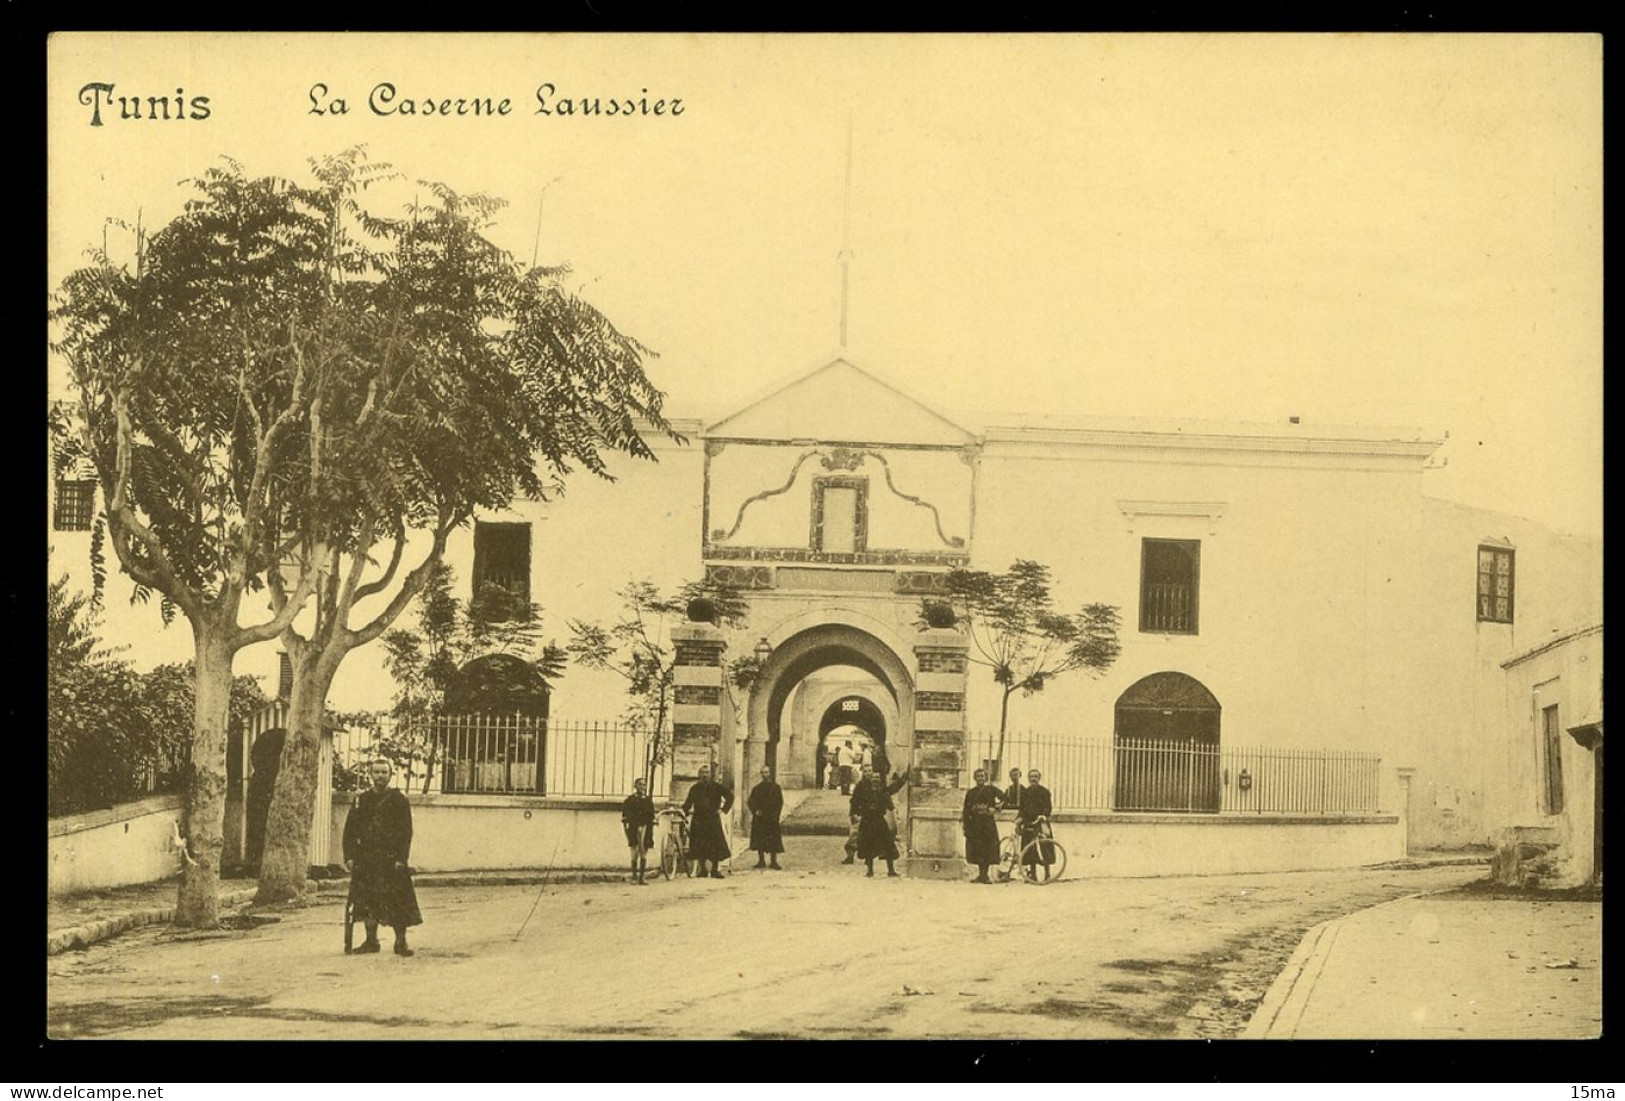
378,835
1032,804
844,765
706,803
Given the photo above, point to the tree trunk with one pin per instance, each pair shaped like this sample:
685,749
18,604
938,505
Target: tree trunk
286,857
197,905
1004,718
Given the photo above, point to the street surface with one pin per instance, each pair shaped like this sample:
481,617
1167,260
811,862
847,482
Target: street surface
815,951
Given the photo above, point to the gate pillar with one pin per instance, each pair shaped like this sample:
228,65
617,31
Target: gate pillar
696,714
934,841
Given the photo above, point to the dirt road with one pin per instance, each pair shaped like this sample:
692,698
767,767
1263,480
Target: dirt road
799,953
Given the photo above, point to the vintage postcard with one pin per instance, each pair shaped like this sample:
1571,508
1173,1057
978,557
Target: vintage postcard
635,531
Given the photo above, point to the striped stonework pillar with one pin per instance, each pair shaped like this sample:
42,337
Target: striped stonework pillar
939,749
696,713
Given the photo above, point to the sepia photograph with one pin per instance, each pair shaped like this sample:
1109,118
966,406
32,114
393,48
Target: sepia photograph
635,531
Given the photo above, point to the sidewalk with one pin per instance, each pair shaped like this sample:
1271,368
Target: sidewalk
1460,964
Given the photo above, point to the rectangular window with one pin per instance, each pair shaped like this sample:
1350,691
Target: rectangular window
840,515
1170,573
75,504
502,558
1495,585
1552,737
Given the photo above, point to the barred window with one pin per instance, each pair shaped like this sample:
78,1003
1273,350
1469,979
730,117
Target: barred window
502,558
1495,588
75,504
1170,574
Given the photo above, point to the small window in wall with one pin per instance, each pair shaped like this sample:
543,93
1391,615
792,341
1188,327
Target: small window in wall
75,504
1552,742
840,515
502,558
1170,573
1495,584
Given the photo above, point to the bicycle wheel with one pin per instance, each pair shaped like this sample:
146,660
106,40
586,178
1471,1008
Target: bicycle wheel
1035,871
1009,854
671,855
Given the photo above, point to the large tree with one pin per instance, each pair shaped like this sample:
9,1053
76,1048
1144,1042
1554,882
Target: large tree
197,363
1017,633
467,380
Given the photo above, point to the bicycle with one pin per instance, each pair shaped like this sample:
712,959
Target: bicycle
674,849
1029,857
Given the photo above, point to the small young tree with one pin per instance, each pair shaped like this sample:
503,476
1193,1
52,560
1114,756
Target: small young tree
430,662
1016,632
638,647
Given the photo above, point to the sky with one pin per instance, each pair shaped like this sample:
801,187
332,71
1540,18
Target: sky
1351,229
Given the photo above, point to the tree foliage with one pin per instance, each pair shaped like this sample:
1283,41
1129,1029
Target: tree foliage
112,733
1017,633
638,647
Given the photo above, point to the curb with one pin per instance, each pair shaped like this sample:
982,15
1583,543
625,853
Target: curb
1277,1016
93,932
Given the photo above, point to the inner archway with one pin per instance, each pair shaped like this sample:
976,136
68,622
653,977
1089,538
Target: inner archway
810,672
853,723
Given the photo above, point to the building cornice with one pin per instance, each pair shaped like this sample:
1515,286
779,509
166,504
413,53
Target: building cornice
1551,644
1418,448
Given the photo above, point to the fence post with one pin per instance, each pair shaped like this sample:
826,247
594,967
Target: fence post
1404,776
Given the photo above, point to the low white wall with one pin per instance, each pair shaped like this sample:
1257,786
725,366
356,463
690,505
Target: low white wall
468,832
123,845
1204,844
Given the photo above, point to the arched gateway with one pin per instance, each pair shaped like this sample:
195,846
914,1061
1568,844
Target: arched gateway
786,738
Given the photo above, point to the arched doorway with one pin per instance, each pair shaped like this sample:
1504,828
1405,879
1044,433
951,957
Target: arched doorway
855,722
498,684
786,739
1166,745
494,730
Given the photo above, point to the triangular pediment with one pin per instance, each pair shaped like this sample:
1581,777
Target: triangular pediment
839,401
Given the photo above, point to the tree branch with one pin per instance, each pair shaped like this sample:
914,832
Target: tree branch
410,587
123,523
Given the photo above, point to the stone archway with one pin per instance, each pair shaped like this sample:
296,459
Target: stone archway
813,648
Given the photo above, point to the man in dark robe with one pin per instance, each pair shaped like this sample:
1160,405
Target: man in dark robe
871,803
377,845
766,803
707,802
1012,794
982,802
1032,822
638,822
859,795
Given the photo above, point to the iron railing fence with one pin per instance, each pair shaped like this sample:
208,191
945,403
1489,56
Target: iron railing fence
504,755
1187,775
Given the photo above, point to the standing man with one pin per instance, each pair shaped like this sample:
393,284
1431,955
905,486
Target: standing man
871,802
707,802
377,844
638,822
1032,824
766,803
845,758
1012,794
982,802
